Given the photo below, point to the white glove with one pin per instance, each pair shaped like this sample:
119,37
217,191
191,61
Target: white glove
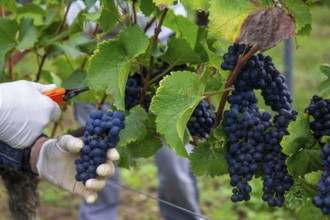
56,164
25,112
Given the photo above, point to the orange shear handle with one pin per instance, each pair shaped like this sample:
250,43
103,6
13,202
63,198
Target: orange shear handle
57,95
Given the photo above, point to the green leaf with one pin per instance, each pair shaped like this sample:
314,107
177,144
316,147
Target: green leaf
71,46
309,211
179,52
33,11
300,136
196,4
109,66
8,30
109,15
89,3
301,14
135,126
163,2
324,87
208,160
8,5
28,34
173,104
313,177
77,79
227,17
145,148
301,147
125,160
304,161
183,28
147,7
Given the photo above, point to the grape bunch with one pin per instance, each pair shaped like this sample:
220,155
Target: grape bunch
320,110
245,126
201,121
133,89
322,200
102,133
276,177
254,138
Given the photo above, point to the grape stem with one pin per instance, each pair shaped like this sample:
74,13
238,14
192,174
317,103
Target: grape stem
134,12
158,29
240,62
209,94
43,59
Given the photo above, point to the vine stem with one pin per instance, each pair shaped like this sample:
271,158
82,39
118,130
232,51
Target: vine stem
43,59
240,62
134,11
158,29
148,25
209,94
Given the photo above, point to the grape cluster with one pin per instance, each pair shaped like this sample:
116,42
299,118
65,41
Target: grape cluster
245,126
320,110
254,139
133,89
230,58
322,200
276,177
201,121
102,133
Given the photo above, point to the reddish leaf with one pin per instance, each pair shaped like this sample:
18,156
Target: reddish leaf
267,28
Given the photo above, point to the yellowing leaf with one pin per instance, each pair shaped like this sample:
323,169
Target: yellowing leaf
227,17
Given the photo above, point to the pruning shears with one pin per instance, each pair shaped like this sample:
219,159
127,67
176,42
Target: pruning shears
62,95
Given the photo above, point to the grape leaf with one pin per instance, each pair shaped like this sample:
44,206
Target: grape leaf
8,30
145,148
313,177
109,66
266,28
135,126
173,104
163,3
309,211
89,3
227,17
8,5
179,52
125,160
304,161
324,87
28,34
109,15
33,11
301,14
301,147
300,136
183,27
208,160
147,7
71,46
196,4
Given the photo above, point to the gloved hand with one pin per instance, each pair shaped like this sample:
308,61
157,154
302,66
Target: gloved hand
25,112
56,164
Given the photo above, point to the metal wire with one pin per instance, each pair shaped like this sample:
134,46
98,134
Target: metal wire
160,200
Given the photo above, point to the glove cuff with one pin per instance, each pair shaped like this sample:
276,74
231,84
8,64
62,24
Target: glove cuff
18,159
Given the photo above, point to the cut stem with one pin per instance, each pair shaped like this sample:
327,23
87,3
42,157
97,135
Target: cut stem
240,62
